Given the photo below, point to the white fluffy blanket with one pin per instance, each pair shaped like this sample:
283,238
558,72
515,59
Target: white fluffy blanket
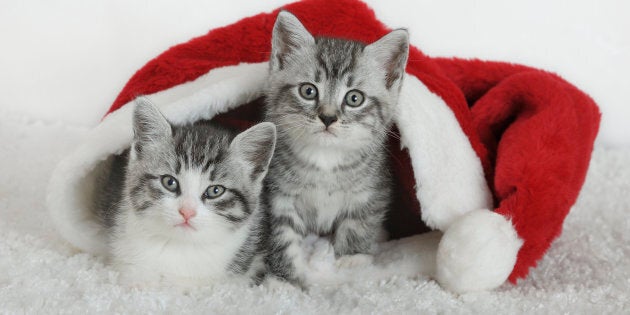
587,270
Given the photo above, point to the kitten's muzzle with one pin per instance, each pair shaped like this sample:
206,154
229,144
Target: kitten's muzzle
327,119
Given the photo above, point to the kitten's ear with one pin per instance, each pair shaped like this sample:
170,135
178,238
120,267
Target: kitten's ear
150,127
254,148
391,52
289,35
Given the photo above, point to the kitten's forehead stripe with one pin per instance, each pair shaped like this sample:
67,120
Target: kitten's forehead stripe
178,166
323,65
198,156
211,163
209,167
218,173
201,145
180,152
337,57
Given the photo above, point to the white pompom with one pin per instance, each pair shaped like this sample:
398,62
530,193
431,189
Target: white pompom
477,252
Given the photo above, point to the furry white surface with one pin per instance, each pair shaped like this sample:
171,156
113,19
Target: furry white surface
587,270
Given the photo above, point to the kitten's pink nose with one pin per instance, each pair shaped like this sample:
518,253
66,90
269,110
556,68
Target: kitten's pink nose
187,213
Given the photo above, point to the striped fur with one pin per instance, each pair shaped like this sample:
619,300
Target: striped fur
147,239
331,180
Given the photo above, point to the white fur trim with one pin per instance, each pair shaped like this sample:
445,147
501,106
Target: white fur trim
477,252
449,176
70,189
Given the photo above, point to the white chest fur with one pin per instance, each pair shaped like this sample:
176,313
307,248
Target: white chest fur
326,200
326,189
324,204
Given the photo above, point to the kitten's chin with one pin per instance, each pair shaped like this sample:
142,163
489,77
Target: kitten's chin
326,138
168,229
185,226
344,142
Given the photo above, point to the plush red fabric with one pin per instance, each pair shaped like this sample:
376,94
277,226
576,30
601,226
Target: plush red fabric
532,130
539,131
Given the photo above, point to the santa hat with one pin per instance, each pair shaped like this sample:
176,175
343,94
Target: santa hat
495,153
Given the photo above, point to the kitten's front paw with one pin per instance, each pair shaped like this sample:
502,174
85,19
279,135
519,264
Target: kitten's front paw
322,255
353,261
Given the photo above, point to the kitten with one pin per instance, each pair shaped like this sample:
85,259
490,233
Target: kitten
333,102
182,204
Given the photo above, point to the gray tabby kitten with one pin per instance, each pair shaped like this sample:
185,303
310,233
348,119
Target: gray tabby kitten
182,205
333,102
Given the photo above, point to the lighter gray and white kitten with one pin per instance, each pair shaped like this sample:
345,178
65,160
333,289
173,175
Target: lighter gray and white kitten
182,204
333,102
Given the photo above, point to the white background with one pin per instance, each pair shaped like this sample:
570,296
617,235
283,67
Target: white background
68,59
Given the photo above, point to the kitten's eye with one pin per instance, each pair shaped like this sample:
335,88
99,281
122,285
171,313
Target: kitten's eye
170,183
308,91
354,98
214,191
